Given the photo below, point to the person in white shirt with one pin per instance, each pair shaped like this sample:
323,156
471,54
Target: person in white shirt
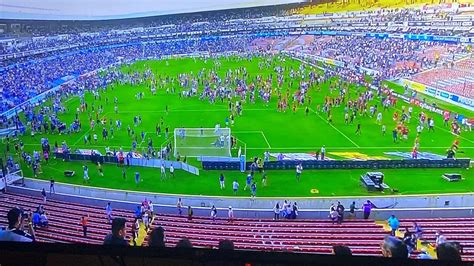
163,171
235,186
431,125
440,238
276,211
146,220
419,128
151,208
171,170
299,170
230,214
213,213
179,205
379,118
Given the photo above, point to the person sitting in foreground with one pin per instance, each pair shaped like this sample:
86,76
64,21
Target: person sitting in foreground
117,237
393,247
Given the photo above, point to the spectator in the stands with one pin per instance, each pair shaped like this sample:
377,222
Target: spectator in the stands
226,244
184,243
393,247
108,212
352,209
448,251
418,231
367,208
138,212
190,213
135,228
179,205
340,211
333,214
157,238
40,209
51,187
36,219
440,238
230,214
14,231
294,211
151,209
394,224
43,193
409,240
44,219
117,237
213,213
84,222
341,250
276,211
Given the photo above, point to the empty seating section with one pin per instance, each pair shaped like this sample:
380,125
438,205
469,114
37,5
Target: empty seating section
64,219
363,237
304,235
456,80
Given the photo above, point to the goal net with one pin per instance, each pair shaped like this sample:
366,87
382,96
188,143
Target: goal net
11,178
196,142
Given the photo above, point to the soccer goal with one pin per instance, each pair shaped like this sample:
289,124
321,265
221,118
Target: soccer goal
12,178
197,142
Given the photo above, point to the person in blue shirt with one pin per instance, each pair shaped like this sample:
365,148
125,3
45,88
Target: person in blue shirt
253,190
248,181
36,219
221,181
138,212
393,223
137,178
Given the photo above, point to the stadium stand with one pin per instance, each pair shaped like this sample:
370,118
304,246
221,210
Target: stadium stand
452,80
304,235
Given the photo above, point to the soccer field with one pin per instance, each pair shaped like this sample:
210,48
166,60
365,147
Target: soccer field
260,128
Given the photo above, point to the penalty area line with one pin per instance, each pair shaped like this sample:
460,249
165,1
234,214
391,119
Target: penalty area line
340,132
266,140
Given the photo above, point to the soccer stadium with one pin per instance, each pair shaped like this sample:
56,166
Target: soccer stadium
254,132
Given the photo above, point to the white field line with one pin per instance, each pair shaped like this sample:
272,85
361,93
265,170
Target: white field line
266,140
324,120
196,110
293,148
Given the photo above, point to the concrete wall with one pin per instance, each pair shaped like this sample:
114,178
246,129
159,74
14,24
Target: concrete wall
461,205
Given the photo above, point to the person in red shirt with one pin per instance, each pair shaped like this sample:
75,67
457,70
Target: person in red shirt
395,116
84,222
456,144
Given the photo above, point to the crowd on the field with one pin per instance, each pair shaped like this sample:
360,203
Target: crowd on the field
25,81
57,58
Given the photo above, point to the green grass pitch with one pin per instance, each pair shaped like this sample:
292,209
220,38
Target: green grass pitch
260,127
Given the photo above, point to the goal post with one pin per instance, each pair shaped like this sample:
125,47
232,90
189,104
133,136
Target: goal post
197,142
11,178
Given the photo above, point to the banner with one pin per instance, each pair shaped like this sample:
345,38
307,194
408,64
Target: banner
438,93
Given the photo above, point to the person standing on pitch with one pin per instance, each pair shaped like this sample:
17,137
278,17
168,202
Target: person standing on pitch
299,170
163,171
171,170
137,178
221,181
